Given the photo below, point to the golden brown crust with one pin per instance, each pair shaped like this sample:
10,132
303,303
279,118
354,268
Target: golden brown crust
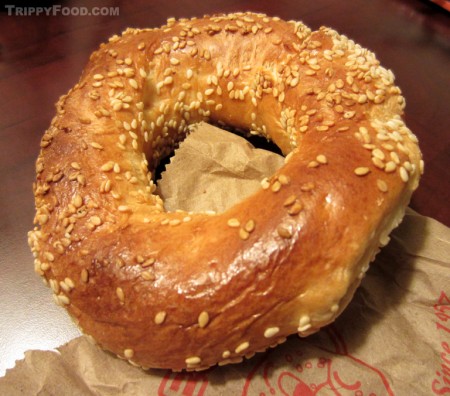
178,290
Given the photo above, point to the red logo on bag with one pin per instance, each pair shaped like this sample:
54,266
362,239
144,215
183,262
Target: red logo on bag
185,384
331,376
441,382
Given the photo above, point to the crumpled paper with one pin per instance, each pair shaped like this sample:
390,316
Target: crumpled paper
213,170
393,339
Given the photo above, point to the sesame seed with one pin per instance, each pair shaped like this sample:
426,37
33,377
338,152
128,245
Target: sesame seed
133,83
250,226
362,99
147,275
160,317
390,167
49,256
408,166
95,220
265,184
63,299
304,323
77,201
339,109
69,282
44,266
117,106
96,145
108,166
321,159
276,186
193,360
203,319
128,353
242,347
295,209
284,232
233,222
290,200
42,219
84,275
334,308
363,130
361,171
81,179
378,163
64,286
271,331
168,80
142,73
226,354
382,186
174,61
75,165
284,180
123,208
378,154
120,294
106,186
288,157
243,234
54,285
404,174
349,114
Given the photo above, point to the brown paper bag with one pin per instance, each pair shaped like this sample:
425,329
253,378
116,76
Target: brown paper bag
394,338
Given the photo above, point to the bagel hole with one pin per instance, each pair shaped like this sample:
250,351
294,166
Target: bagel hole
231,169
258,142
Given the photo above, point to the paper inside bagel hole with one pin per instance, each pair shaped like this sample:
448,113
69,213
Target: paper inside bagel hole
213,169
393,338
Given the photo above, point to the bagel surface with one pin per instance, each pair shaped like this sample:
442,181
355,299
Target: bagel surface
189,290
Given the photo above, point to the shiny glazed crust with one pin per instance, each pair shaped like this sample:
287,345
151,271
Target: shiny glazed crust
187,291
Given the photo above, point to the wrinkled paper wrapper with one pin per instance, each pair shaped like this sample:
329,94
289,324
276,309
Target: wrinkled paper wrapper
394,337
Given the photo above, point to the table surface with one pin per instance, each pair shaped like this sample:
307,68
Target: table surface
41,57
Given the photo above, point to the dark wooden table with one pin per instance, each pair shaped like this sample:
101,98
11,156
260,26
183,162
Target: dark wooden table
42,56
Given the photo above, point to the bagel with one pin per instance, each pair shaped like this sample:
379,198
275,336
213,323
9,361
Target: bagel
184,290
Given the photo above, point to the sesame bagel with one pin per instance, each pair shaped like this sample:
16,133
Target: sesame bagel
189,290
